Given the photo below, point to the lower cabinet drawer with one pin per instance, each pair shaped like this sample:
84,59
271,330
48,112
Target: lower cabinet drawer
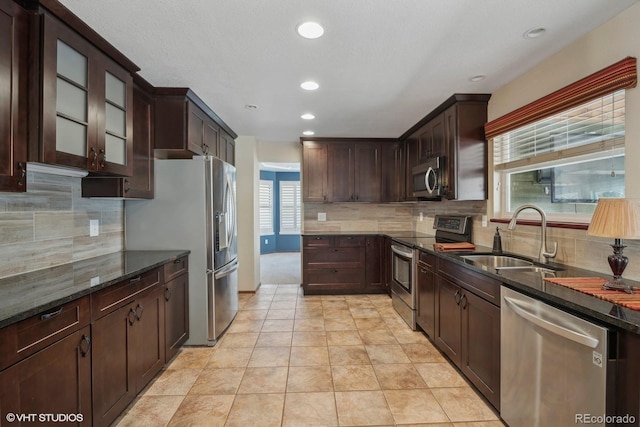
24,338
113,297
334,278
325,258
176,268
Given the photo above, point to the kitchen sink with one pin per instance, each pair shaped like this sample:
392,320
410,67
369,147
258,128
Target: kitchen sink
498,261
507,262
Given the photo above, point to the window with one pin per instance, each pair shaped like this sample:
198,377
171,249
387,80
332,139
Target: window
266,207
564,162
289,207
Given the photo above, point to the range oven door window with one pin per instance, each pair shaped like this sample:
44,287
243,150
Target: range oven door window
401,267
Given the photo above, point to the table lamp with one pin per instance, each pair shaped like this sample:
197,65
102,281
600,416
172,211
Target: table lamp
618,219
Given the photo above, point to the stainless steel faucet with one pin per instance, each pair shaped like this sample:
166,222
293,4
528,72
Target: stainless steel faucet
544,253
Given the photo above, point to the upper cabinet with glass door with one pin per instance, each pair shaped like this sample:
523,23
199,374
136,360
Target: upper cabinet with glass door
86,104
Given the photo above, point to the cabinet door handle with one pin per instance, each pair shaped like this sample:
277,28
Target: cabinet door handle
423,271
52,314
127,186
334,271
94,160
463,301
132,316
335,250
104,158
23,173
139,311
84,349
167,294
456,297
135,279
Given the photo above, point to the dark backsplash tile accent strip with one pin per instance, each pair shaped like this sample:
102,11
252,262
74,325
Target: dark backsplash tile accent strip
49,225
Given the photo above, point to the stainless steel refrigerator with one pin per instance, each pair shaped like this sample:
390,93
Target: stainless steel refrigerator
194,208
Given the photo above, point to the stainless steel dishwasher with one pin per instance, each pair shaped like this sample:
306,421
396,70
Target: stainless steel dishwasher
553,364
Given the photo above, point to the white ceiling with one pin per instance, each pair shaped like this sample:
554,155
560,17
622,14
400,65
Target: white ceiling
382,65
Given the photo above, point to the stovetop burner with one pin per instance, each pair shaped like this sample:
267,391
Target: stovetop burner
452,228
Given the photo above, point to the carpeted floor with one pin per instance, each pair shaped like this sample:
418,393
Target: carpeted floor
281,268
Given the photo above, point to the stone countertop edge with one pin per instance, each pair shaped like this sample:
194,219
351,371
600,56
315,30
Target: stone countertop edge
140,261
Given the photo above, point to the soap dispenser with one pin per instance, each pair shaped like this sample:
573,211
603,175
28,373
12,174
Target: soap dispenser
497,241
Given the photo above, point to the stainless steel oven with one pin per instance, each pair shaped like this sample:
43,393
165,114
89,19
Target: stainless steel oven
403,282
404,293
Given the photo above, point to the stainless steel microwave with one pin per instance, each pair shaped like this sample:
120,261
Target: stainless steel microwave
429,178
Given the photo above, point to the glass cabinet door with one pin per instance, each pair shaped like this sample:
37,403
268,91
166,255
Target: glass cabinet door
71,100
115,144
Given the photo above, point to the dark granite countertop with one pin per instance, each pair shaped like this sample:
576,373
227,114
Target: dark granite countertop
533,284
27,294
389,233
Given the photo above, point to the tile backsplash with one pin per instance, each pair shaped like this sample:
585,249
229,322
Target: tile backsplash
574,246
49,225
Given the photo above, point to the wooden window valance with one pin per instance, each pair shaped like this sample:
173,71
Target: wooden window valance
621,75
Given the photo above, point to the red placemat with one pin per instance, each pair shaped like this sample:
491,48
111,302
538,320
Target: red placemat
593,286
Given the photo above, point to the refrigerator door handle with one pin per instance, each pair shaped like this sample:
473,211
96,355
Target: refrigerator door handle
551,327
226,270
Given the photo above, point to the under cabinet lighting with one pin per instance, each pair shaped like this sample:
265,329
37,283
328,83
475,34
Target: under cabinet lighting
308,116
308,132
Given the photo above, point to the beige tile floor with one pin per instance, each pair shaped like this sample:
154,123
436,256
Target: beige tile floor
291,360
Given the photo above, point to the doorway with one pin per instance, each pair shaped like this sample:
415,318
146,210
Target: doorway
280,223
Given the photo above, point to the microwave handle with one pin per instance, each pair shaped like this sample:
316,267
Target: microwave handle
426,180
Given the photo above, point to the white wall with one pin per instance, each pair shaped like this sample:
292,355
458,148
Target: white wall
248,179
284,152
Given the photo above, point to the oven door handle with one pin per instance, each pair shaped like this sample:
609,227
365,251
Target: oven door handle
398,251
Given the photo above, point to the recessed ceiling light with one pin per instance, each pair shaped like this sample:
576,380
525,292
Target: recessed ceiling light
251,107
477,78
310,30
308,132
534,33
308,116
309,85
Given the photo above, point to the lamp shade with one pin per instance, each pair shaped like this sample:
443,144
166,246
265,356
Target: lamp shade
616,218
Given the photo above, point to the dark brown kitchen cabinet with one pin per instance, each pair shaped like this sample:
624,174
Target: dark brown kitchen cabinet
54,381
339,264
467,325
83,111
314,171
453,131
426,293
393,172
14,61
128,342
354,172
176,306
227,148
185,126
45,363
375,267
140,184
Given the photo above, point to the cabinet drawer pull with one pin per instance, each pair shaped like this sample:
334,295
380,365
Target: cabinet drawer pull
318,238
423,271
132,316
463,301
84,350
135,279
52,314
127,186
178,261
335,250
334,271
139,311
167,294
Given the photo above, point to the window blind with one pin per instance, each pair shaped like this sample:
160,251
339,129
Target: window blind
289,207
594,127
266,207
621,75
